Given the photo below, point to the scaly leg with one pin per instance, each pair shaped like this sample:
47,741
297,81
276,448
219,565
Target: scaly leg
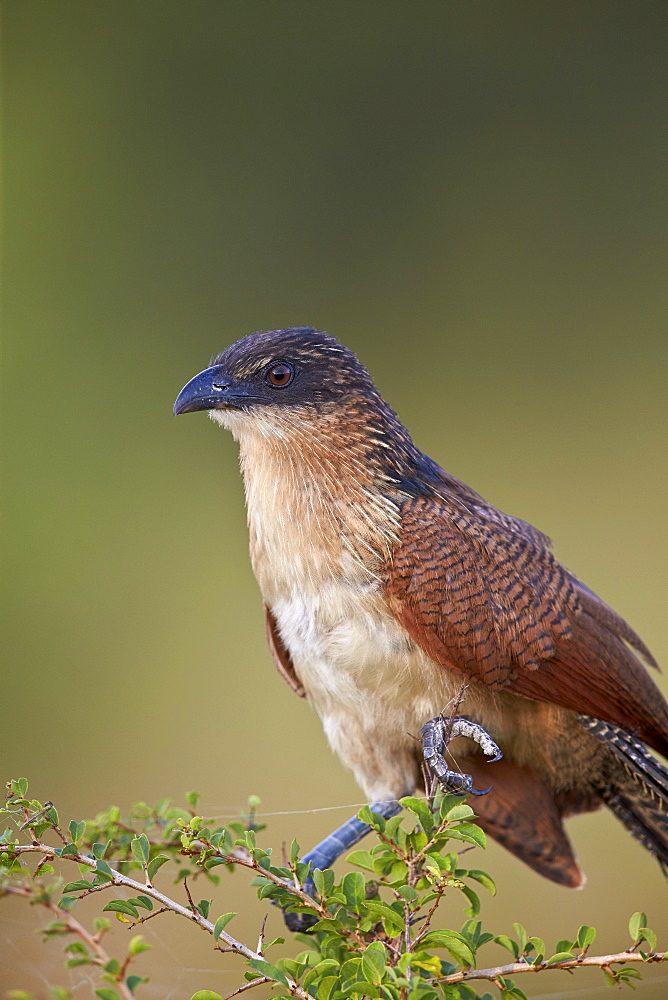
324,854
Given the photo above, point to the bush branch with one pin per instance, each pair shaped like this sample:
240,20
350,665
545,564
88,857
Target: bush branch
118,879
513,968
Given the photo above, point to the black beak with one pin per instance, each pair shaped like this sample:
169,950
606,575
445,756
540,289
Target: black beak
212,389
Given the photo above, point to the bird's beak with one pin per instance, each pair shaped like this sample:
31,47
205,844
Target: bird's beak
212,389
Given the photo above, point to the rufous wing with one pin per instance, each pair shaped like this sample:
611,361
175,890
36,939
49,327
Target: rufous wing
281,656
482,594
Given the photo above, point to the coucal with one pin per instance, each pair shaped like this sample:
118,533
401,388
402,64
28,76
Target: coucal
388,583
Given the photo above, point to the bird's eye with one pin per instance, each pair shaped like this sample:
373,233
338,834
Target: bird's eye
280,375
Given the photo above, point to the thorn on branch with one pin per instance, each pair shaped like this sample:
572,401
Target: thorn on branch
260,940
190,899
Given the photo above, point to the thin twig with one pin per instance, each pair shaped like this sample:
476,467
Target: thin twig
149,916
194,909
32,819
427,920
249,986
568,964
459,698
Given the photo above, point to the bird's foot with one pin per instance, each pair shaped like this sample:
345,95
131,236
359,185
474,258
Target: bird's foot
437,733
300,923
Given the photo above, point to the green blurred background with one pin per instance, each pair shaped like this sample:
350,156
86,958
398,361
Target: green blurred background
470,195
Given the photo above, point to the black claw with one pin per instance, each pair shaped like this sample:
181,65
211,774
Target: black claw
479,791
493,760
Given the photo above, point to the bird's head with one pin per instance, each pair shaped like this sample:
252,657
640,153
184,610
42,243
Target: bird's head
268,379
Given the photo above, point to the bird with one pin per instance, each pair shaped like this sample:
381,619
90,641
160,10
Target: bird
391,589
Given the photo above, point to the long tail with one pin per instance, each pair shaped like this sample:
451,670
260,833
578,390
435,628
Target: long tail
637,787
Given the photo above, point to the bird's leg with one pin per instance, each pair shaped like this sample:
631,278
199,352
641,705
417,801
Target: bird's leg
436,735
324,854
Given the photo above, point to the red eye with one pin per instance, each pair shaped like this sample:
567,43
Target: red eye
280,375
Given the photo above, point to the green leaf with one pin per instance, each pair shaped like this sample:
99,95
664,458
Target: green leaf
323,880
122,906
192,798
105,994
361,988
408,893
354,889
221,924
538,946
265,969
204,906
206,995
52,816
326,967
143,901
564,945
482,878
19,786
373,962
269,889
393,922
626,974
469,832
141,848
586,936
102,867
457,945
350,972
76,947
636,924
155,864
113,966
398,872
77,886
327,987
560,956
363,859
458,811
366,816
99,850
138,945
508,944
419,809
132,982
650,937
474,909
522,936
77,831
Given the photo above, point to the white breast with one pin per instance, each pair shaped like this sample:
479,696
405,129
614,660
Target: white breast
371,685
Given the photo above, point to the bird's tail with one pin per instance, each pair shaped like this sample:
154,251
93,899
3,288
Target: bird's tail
636,789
